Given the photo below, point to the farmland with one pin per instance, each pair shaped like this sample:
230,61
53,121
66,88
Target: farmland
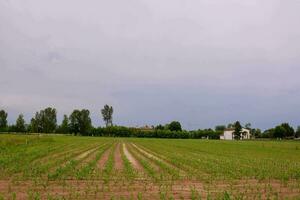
67,167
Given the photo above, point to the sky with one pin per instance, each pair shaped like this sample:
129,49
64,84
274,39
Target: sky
200,62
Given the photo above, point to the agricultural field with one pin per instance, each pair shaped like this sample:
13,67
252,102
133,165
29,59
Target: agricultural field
69,167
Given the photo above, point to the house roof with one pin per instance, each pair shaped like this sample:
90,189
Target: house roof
232,129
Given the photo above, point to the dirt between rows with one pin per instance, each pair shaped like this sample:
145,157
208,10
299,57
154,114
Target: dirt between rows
131,159
185,189
118,158
118,165
103,159
118,187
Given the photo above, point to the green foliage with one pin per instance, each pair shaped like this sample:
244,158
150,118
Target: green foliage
289,131
237,130
44,121
80,122
3,120
256,133
269,133
64,127
175,126
120,131
279,132
226,196
20,124
159,127
283,131
107,113
297,133
220,127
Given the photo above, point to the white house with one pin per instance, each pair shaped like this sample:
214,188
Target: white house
229,134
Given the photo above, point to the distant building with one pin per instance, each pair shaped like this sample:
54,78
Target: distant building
145,128
228,134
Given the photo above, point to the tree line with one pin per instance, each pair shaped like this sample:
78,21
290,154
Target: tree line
45,121
80,123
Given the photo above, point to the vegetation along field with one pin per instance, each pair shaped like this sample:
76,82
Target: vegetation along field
67,167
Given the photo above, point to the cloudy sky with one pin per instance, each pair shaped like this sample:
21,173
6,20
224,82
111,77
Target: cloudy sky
202,62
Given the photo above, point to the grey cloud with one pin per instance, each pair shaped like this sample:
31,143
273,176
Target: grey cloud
201,62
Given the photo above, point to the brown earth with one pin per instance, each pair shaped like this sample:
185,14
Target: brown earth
97,189
103,159
118,162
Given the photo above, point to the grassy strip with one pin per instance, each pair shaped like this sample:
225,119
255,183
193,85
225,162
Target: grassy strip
39,168
86,171
63,172
145,163
128,170
166,168
109,165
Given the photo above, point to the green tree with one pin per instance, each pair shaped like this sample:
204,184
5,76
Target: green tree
3,120
283,131
269,133
220,127
44,121
75,120
49,121
175,126
159,127
107,113
289,131
80,122
237,130
297,134
33,126
20,124
279,132
256,133
64,127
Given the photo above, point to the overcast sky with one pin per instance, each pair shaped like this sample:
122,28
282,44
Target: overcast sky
201,62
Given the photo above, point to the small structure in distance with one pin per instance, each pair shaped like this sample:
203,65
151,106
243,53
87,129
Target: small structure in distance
228,134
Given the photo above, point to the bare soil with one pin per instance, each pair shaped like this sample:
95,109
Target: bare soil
97,189
118,158
103,159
